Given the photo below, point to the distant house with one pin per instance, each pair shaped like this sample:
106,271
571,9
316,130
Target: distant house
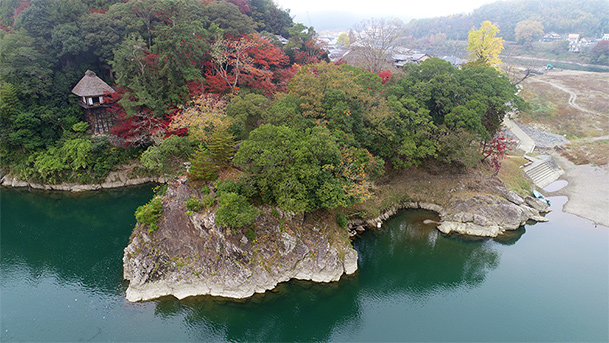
455,61
573,37
399,60
92,90
574,43
551,37
605,36
282,39
336,52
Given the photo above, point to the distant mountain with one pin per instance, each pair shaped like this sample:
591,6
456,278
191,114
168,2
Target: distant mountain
335,20
588,18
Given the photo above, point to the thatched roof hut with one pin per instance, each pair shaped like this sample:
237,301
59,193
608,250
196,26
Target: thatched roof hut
92,90
91,86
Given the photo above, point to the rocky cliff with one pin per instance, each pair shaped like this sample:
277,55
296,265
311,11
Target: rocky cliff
474,207
191,255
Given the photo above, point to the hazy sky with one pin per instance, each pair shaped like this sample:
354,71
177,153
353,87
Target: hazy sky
404,8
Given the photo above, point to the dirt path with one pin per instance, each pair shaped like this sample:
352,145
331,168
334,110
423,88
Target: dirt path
572,96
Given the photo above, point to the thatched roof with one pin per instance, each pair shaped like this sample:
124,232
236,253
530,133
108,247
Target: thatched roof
91,85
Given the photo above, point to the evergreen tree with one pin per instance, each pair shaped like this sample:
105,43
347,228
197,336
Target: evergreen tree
221,145
201,167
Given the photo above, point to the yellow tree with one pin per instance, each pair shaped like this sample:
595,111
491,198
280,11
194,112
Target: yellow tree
201,117
484,46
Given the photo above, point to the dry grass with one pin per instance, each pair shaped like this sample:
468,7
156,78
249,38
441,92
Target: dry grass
550,109
418,186
596,153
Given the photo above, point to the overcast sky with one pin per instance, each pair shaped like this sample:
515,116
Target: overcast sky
404,8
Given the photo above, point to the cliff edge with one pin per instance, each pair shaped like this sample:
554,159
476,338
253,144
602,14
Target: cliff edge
189,254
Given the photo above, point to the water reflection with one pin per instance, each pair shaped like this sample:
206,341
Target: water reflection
406,258
78,237
61,281
409,257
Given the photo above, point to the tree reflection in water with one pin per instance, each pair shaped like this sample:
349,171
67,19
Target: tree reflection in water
405,258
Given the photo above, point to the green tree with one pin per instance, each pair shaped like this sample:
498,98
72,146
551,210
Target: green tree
289,167
468,117
247,112
527,31
234,211
202,167
9,102
343,39
221,145
227,17
484,46
268,17
167,155
24,66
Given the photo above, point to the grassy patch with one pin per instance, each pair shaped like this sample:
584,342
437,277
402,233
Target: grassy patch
513,175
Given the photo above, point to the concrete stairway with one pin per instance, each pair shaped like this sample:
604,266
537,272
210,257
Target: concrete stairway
543,171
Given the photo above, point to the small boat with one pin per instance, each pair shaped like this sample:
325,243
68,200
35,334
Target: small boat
540,196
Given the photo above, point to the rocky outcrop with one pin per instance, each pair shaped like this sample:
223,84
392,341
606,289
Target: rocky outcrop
191,255
115,179
487,216
489,213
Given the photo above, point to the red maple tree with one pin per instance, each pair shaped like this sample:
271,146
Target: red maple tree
495,150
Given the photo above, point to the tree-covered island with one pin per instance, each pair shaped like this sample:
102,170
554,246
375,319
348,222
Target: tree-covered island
272,150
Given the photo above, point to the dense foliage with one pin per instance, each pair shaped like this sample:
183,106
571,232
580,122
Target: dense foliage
209,82
150,214
157,54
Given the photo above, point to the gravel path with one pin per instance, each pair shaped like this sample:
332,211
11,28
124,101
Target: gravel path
543,139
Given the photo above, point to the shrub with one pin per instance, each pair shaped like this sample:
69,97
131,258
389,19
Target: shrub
208,200
161,158
201,166
226,187
234,210
341,219
205,189
81,126
150,214
194,204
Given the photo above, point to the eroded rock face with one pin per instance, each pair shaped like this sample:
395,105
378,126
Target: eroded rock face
489,215
191,255
115,179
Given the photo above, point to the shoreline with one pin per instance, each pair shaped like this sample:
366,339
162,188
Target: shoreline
117,179
587,190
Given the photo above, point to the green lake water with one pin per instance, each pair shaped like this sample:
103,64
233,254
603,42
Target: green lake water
61,280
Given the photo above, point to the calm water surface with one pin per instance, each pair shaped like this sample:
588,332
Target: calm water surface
61,280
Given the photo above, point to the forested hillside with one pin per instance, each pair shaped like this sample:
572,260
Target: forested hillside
157,55
209,82
589,18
